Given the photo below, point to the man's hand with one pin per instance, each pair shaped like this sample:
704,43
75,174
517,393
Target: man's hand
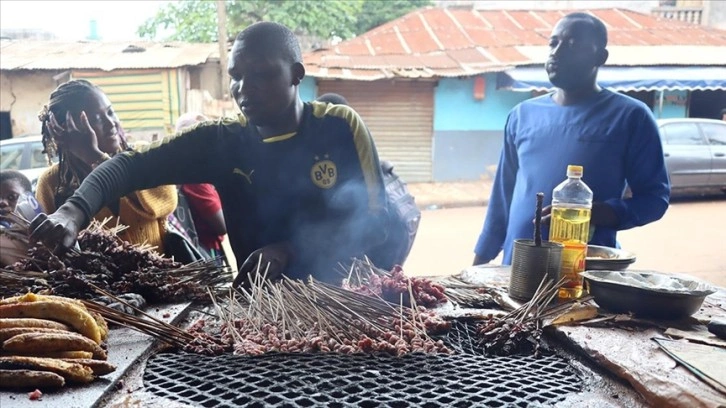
59,230
479,260
546,215
268,262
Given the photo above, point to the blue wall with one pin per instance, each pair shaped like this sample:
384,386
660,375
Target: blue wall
456,109
308,89
468,132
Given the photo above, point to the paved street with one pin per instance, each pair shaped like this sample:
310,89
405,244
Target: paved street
690,238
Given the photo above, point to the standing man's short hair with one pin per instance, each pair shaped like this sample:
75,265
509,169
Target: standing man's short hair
599,30
272,37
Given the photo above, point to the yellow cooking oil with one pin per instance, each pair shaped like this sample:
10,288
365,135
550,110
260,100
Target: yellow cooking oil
571,227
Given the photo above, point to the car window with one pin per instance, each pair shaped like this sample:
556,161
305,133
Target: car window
11,156
715,133
682,134
38,159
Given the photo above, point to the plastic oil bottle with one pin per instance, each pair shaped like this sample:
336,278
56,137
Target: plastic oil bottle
570,225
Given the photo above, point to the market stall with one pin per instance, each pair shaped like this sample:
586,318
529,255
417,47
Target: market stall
385,339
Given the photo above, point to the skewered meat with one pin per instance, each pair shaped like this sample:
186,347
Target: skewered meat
394,287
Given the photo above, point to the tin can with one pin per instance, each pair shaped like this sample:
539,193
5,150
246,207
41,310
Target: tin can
530,264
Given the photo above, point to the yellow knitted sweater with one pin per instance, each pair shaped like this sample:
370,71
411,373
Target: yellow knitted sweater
144,212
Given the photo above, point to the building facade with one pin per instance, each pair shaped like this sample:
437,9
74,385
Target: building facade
435,86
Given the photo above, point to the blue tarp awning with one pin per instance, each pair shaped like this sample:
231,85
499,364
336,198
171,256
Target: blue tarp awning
624,78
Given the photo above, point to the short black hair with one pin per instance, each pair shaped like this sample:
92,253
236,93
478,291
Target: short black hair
267,36
599,30
6,175
333,98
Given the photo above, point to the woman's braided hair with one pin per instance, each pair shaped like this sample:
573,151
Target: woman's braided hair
71,170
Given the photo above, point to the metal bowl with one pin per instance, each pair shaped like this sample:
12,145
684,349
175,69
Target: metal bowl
646,293
607,259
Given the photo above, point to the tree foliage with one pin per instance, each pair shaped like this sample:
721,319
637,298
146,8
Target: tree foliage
196,20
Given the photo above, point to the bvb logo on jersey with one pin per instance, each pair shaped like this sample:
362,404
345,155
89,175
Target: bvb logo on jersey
324,173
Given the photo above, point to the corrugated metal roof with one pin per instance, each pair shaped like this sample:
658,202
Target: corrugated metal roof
444,42
106,56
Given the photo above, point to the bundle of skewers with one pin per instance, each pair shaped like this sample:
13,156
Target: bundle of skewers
292,316
365,278
520,331
102,259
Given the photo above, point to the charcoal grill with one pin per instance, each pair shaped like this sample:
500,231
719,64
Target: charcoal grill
465,379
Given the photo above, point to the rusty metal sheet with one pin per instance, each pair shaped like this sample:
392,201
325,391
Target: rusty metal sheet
107,56
506,34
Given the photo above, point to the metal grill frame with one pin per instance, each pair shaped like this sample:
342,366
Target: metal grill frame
333,380
465,379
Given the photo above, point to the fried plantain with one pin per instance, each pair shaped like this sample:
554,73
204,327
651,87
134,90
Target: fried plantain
99,367
66,312
23,379
73,355
34,297
10,323
102,324
36,343
73,372
14,331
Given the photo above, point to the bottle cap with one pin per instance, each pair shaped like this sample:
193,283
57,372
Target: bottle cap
574,171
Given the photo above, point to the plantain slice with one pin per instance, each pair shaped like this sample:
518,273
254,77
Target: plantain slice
14,331
9,323
34,297
11,379
35,343
102,324
66,312
99,367
61,354
73,372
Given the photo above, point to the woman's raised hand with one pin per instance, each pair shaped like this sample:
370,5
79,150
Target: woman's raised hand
77,139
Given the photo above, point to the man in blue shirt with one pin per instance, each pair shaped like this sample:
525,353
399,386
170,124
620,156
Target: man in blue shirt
613,136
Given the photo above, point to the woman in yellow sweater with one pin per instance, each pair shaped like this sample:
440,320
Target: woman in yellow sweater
80,126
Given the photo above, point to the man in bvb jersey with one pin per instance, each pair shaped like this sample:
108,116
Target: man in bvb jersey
300,183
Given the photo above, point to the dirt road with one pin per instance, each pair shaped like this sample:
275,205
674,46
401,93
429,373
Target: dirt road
690,238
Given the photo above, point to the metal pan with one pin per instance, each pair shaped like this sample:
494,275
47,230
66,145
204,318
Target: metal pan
646,293
607,259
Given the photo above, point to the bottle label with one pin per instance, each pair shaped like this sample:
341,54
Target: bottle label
573,262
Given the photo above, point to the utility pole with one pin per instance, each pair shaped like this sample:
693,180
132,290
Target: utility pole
222,40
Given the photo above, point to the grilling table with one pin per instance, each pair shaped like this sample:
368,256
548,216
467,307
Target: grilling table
583,367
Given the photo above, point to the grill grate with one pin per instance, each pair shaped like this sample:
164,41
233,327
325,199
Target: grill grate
333,380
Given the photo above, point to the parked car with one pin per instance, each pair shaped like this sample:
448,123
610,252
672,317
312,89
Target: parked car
24,154
695,153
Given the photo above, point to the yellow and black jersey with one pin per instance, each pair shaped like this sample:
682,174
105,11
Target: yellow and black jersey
319,188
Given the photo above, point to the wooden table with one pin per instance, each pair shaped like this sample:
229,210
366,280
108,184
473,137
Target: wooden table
630,353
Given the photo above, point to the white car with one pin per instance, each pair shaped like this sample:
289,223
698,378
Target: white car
695,153
24,154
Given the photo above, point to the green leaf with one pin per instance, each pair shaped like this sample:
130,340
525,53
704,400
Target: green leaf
196,20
